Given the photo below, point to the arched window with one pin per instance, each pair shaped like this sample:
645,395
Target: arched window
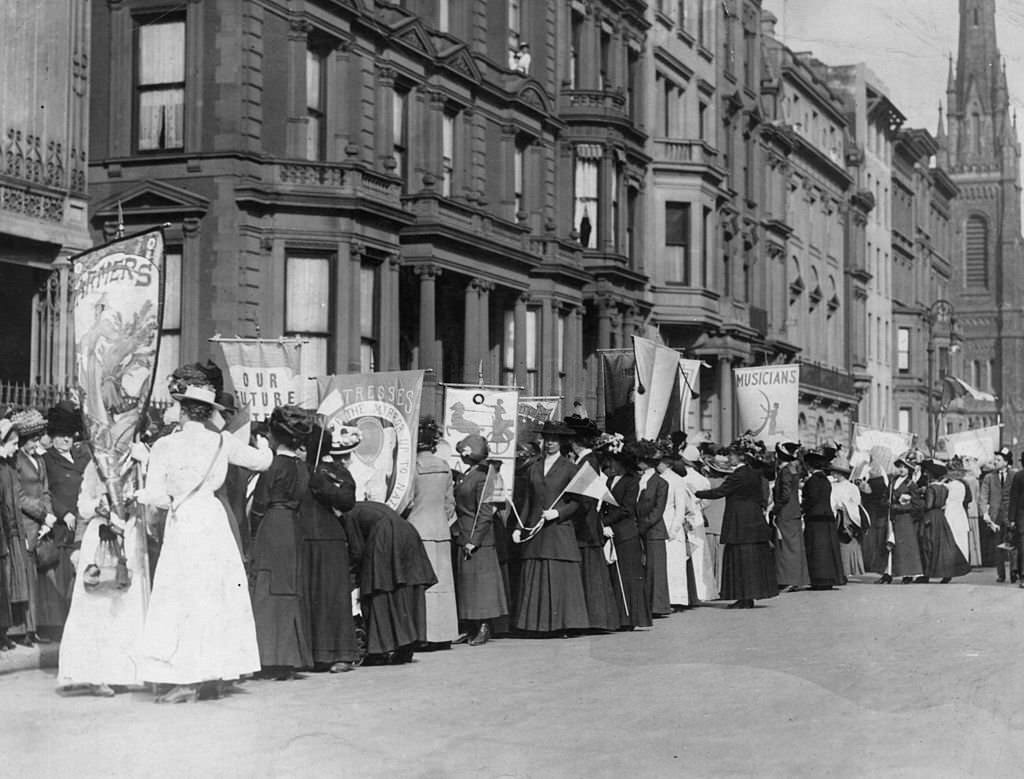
976,259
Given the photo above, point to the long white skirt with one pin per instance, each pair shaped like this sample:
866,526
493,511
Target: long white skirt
200,625
675,555
703,564
103,629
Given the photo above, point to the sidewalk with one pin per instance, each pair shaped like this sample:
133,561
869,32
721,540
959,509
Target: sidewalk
23,658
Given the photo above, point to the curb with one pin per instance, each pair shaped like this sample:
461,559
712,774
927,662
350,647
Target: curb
23,658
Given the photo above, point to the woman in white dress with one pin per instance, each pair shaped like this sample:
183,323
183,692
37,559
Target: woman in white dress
200,624
955,508
850,514
679,511
700,550
104,626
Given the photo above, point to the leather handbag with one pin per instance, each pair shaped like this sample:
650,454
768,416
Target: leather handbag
47,553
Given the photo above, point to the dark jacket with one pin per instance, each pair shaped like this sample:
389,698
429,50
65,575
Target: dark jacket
34,499
743,521
622,518
817,499
650,509
474,521
65,478
908,487
587,520
786,494
556,540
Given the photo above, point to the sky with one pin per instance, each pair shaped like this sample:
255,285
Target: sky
906,43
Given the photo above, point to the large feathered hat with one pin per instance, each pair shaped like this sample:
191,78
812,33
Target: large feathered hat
29,423
473,448
64,419
293,421
428,435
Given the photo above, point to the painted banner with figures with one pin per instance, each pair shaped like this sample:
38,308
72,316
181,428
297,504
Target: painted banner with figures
875,447
385,407
491,413
768,402
116,303
262,373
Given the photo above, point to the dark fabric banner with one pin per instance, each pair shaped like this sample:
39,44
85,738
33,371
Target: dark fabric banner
619,372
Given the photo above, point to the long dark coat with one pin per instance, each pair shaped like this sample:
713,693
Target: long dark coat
790,553
821,535
743,521
557,539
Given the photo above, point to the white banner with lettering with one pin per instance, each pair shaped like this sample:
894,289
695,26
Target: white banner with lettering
768,402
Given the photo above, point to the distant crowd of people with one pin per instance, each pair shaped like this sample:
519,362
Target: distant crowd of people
224,558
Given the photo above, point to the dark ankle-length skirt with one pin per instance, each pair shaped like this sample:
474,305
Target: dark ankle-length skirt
602,610
748,572
277,606
824,557
479,586
945,559
395,619
327,598
906,553
629,581
657,577
873,545
790,554
551,597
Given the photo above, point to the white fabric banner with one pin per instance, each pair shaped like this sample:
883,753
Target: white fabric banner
657,389
768,402
689,388
980,443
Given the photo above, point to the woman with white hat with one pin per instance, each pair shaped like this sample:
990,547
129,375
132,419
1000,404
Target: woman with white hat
199,627
851,517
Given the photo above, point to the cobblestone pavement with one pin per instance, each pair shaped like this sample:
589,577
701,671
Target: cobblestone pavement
872,681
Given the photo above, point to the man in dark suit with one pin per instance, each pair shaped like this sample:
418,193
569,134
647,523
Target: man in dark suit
994,505
551,598
1015,519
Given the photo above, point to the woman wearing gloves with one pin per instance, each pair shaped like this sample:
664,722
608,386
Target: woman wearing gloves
199,628
650,521
551,598
479,589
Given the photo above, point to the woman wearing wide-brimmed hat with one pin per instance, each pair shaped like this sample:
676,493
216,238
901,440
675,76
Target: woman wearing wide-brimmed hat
273,573
17,571
431,512
479,587
627,574
790,552
906,506
331,548
650,521
851,517
551,598
821,535
199,627
748,564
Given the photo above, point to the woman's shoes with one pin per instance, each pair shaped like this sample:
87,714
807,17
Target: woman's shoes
886,579
907,580
482,636
945,580
341,667
186,693
98,690
741,604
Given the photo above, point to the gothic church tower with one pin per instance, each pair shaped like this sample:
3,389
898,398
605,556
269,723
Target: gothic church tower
980,150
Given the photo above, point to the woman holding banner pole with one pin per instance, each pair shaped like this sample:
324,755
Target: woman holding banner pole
551,598
480,590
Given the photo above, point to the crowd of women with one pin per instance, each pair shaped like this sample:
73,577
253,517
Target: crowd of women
233,558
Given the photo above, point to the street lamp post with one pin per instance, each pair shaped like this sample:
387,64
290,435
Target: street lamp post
939,311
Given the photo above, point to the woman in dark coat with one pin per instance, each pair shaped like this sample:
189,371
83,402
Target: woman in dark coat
748,564
551,598
331,549
906,506
821,534
875,499
602,610
941,557
39,522
274,573
479,587
627,573
790,553
394,577
650,521
14,593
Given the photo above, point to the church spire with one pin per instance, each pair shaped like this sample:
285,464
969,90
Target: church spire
978,62
951,87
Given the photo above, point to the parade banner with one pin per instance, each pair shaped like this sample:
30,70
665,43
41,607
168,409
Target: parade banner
881,446
980,443
619,380
116,304
657,402
385,407
689,387
484,411
768,402
533,411
262,374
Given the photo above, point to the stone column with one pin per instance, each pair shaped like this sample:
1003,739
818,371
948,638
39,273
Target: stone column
483,329
725,394
471,334
519,348
387,345
428,318
355,305
385,110
573,355
605,310
298,38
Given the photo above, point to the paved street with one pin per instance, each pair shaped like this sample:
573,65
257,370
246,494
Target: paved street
915,681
